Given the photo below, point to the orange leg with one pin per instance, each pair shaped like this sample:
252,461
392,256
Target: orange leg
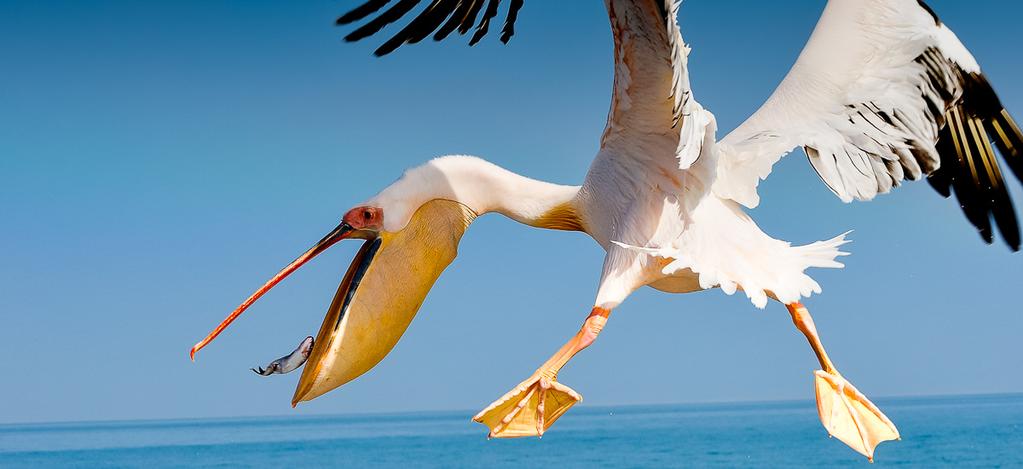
533,406
804,322
845,412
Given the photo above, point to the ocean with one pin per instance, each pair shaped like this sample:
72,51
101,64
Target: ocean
977,431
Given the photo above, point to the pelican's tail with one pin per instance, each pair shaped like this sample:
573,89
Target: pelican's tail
727,250
793,282
822,253
776,268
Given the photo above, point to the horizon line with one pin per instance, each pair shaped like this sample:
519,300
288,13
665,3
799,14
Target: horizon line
7,425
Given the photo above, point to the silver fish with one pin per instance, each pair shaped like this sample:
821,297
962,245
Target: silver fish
290,362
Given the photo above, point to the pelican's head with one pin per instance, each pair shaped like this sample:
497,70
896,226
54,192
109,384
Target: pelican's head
411,232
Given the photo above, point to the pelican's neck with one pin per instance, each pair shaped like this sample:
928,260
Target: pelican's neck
483,187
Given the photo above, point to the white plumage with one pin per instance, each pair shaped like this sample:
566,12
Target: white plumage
862,60
866,99
883,92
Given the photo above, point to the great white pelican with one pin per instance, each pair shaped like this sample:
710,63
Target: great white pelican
882,93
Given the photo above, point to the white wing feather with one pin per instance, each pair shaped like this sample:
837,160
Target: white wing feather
652,100
862,99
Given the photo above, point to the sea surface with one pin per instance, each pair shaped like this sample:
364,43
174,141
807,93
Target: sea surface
976,431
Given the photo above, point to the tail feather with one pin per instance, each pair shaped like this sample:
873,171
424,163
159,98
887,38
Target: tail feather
749,260
823,254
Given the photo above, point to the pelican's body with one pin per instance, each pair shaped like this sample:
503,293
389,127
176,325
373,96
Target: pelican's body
883,92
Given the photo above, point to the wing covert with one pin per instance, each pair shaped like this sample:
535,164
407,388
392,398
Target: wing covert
883,92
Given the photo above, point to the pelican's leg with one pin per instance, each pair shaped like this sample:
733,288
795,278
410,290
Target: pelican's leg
531,408
845,412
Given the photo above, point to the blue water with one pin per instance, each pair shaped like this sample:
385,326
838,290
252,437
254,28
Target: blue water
984,431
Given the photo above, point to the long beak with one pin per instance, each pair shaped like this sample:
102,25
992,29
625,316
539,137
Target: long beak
342,231
379,296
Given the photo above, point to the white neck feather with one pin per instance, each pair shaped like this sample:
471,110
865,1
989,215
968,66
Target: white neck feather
480,185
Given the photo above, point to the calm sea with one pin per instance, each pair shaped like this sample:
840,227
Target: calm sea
984,431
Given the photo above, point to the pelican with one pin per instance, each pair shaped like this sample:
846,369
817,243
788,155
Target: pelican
882,93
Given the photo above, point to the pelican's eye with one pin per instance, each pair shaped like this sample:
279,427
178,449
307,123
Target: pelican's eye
365,218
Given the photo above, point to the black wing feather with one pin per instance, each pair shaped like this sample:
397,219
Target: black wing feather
441,17
362,11
484,26
470,19
376,24
420,27
969,166
970,117
432,19
509,22
456,19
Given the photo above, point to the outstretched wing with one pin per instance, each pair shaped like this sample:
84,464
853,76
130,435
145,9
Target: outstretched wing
440,18
651,87
652,107
655,126
884,92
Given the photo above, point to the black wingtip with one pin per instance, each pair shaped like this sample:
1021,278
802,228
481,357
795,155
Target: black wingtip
940,184
1009,140
930,11
969,167
470,17
440,18
455,20
376,24
509,23
361,11
484,26
988,237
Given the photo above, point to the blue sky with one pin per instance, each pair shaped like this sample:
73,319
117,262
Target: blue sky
160,160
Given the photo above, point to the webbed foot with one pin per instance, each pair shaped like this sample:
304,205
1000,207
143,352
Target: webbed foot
849,416
529,409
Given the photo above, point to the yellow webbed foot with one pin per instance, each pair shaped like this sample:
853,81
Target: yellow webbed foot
849,416
529,409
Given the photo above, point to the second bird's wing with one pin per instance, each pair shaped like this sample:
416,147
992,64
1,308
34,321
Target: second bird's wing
440,18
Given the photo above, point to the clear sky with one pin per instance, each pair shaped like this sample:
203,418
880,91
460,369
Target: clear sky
160,160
